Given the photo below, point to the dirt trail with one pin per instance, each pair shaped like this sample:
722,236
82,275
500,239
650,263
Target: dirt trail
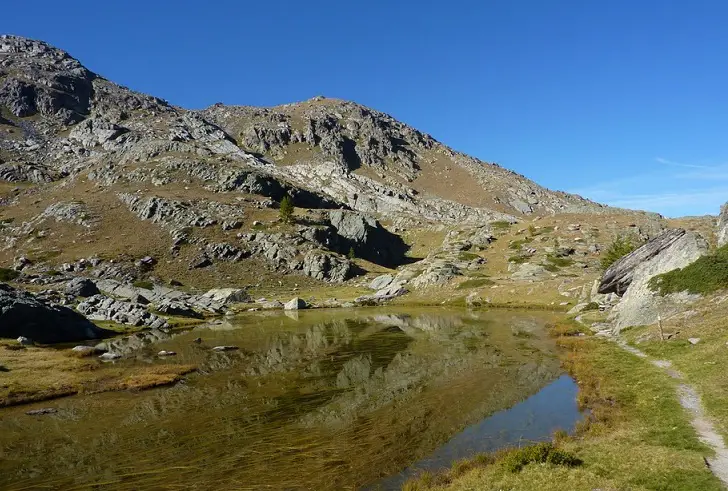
703,424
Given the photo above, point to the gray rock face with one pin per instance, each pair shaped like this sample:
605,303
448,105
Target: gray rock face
527,271
283,252
173,213
103,308
381,282
160,294
640,305
295,304
228,295
93,131
177,309
367,238
22,314
81,287
60,86
722,226
619,275
327,267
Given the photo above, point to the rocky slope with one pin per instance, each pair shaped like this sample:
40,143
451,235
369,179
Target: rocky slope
99,181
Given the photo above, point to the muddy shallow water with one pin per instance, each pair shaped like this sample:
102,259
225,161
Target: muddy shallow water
311,400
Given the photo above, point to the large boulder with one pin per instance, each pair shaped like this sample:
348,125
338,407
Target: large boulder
22,314
81,287
325,266
639,304
295,304
722,226
381,282
619,275
228,295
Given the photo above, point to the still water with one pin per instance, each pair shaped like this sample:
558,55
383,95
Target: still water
320,400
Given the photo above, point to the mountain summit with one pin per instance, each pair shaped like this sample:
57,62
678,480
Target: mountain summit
88,167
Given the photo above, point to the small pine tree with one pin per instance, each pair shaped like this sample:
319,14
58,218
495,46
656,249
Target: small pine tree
620,247
351,254
286,210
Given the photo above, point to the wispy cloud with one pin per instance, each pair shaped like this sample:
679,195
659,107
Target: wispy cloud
680,164
688,189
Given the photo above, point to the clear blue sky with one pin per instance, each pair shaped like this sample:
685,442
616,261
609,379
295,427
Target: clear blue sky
621,101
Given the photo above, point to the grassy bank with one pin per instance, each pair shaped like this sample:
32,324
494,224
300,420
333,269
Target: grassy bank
636,437
703,364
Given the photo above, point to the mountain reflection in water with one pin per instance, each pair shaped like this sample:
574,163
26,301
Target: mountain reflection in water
326,400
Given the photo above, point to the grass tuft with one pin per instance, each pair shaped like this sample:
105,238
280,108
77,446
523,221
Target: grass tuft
147,285
541,453
475,283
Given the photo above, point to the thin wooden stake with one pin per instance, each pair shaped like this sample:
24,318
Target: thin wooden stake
659,324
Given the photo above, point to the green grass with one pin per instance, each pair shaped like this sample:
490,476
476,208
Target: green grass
518,259
561,262
147,285
706,275
541,453
517,244
8,274
500,226
591,306
637,436
475,283
467,256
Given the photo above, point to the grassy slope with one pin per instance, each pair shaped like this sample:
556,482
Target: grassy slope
638,438
702,364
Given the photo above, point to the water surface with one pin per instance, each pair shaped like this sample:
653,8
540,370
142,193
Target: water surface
322,400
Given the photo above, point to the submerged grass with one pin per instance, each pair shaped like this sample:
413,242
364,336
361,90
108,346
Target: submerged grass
38,374
635,436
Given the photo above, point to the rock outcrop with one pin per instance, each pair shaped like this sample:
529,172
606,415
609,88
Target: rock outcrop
367,238
81,287
103,308
619,275
639,305
722,226
22,314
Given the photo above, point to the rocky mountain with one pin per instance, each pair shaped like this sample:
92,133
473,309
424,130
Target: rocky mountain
98,179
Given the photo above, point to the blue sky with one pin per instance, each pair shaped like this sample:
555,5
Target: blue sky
621,101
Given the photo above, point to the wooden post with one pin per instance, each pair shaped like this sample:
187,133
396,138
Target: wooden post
659,324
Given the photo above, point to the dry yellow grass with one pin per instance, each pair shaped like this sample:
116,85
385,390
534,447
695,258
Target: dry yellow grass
36,374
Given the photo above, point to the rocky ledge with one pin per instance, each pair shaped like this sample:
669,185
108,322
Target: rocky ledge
23,314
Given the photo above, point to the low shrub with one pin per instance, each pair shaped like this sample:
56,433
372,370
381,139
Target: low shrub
706,275
591,306
8,274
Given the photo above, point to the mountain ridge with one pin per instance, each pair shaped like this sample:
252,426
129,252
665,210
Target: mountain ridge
86,161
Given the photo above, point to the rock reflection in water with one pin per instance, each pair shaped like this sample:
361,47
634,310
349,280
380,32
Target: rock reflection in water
329,400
